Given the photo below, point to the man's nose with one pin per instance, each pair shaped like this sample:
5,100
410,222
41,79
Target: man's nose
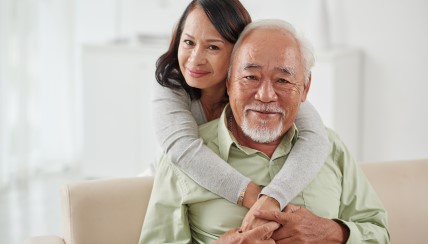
197,56
266,92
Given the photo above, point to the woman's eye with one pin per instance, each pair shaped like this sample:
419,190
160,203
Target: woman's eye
213,47
188,42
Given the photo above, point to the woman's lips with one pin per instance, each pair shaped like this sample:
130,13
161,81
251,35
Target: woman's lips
197,73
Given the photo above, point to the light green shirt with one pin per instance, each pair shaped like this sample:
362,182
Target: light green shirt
181,211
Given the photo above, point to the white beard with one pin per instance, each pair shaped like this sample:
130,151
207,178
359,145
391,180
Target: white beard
263,133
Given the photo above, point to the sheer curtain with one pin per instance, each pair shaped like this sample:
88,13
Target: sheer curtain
39,123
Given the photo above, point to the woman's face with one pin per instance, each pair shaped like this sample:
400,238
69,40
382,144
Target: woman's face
203,54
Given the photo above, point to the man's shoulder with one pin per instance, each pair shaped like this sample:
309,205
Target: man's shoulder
335,140
340,153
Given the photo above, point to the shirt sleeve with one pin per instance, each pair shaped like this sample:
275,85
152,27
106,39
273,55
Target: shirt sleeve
177,131
166,218
305,159
361,209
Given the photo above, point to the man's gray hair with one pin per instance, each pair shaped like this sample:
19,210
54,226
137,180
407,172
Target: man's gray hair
305,47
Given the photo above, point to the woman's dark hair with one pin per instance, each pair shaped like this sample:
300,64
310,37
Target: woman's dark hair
229,17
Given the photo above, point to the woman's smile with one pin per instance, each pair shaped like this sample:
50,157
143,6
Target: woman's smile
195,73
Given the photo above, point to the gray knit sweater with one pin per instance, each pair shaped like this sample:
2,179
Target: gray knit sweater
176,119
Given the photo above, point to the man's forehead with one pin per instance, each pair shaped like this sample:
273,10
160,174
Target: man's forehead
286,69
254,57
266,43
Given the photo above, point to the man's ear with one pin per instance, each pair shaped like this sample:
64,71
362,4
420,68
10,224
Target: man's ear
306,88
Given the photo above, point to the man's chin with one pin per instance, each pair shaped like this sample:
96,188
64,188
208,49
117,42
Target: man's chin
263,133
262,137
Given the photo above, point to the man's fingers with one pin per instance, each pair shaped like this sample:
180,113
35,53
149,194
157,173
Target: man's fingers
260,235
276,216
290,208
264,230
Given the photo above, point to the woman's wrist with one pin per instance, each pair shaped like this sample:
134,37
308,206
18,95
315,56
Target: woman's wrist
249,195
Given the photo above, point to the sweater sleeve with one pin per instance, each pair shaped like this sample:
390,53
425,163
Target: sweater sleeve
305,159
177,131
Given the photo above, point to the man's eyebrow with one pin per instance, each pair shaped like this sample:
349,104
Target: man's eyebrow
288,70
251,66
208,40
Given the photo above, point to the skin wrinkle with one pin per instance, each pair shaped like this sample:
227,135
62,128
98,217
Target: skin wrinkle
263,76
196,51
305,57
201,55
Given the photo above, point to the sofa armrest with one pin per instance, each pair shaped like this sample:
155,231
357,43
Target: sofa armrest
44,240
401,185
105,211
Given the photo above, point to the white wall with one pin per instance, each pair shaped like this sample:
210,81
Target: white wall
393,35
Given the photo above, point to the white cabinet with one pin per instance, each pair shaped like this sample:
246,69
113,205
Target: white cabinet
117,122
336,93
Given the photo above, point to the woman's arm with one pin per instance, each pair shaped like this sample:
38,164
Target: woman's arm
177,131
305,159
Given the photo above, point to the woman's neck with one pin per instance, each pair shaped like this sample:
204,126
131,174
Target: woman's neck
213,102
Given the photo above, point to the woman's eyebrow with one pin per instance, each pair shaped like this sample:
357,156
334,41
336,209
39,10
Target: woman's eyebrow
208,40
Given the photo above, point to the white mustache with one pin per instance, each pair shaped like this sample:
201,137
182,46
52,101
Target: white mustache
268,108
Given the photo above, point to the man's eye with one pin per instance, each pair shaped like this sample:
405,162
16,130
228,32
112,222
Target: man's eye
250,77
280,80
213,47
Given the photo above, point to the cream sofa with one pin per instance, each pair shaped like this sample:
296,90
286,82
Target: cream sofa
112,211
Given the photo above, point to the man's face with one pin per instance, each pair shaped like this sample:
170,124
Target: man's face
266,85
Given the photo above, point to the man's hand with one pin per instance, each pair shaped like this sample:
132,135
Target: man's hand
299,225
258,235
263,203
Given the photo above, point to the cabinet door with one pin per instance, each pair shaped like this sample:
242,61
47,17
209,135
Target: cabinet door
335,92
117,121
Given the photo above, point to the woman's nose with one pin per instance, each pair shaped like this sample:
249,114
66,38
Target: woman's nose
197,56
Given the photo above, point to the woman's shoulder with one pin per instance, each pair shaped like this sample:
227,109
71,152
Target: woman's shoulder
177,101
162,92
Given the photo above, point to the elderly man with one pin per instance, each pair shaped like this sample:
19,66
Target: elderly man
268,78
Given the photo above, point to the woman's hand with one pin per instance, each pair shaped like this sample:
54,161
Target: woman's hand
258,235
263,203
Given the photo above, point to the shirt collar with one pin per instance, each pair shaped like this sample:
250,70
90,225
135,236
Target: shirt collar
226,140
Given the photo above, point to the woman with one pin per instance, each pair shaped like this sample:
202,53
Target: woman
192,76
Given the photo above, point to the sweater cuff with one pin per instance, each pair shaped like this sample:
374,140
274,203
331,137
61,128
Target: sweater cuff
234,188
277,195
